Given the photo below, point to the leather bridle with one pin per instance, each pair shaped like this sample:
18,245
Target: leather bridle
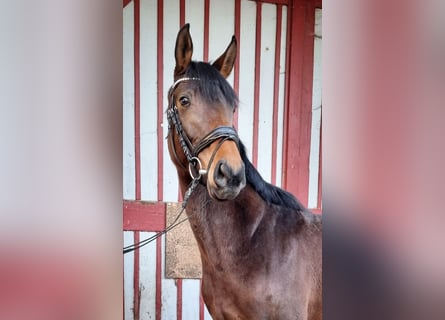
191,151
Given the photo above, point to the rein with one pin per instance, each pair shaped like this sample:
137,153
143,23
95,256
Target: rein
222,133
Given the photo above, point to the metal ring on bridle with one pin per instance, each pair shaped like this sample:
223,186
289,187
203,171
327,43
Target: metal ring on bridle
195,161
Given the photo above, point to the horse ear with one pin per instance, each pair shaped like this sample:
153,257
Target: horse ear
183,50
226,61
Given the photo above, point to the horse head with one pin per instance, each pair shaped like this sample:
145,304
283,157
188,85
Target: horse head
201,108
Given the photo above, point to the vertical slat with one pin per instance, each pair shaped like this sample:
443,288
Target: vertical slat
169,291
281,96
206,29
128,103
190,299
137,105
148,110
320,166
266,90
299,107
221,29
276,88
128,276
147,278
179,299
136,296
256,95
181,12
159,274
170,14
194,13
160,98
236,67
314,158
247,74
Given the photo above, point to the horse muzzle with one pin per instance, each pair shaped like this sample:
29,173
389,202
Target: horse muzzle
228,181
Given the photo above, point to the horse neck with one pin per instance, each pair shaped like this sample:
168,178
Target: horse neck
223,228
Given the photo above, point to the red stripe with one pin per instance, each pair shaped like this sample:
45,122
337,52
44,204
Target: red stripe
158,278
125,2
181,12
144,216
136,300
179,299
236,71
320,181
298,113
137,108
276,93
201,303
206,29
160,79
256,94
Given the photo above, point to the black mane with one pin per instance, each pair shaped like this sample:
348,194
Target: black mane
212,85
270,193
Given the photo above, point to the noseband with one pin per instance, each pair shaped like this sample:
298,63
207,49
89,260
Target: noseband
190,151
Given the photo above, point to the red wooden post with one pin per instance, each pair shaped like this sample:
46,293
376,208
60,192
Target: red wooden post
298,108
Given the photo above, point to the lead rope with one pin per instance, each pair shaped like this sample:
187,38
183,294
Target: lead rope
175,223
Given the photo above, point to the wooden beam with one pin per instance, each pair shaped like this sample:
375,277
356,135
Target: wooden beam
143,216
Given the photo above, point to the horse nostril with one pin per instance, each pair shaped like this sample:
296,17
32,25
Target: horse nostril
224,175
221,173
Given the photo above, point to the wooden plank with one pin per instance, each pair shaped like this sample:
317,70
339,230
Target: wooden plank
128,277
159,275
256,95
190,298
136,288
143,216
171,17
298,116
276,83
314,159
147,278
160,98
149,168
266,90
128,103
247,74
281,96
137,101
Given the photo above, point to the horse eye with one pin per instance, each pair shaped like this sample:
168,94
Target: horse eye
185,102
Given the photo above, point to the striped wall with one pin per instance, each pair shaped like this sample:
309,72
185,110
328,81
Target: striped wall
149,33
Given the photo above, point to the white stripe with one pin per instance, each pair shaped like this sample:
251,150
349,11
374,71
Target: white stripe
128,101
128,276
148,93
221,29
247,74
147,278
190,298
171,28
169,291
268,33
281,96
194,14
316,116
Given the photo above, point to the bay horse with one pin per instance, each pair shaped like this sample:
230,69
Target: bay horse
260,247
